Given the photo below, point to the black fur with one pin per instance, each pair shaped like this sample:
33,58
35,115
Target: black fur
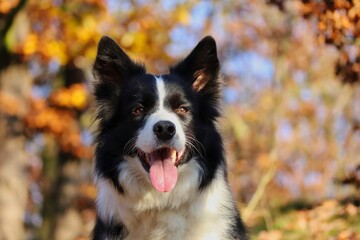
108,230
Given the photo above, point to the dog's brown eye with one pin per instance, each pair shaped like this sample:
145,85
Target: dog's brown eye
137,111
181,110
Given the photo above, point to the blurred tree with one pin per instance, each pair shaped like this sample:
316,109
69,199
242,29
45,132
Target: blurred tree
337,23
290,111
15,87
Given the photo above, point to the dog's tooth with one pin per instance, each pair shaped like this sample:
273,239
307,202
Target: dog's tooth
173,155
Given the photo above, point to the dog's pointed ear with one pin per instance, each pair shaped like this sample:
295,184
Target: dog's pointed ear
111,68
201,66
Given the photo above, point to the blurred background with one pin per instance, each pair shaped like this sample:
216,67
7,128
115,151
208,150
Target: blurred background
291,107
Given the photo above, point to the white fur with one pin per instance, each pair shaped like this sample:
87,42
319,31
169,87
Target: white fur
146,139
183,213
160,87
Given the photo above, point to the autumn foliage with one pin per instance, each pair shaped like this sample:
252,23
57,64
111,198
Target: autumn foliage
338,24
291,73
59,120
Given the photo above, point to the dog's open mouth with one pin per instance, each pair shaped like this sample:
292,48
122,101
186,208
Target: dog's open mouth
162,165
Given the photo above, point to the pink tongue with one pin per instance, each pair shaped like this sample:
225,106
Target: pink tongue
163,173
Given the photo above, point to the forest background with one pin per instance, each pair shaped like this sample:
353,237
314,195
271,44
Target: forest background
291,107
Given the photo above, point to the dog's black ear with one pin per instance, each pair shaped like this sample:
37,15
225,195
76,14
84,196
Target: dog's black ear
201,66
111,68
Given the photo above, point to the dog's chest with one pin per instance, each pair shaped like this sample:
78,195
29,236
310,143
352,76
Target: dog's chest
164,224
176,224
203,216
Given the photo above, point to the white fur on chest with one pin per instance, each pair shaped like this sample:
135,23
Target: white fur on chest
184,213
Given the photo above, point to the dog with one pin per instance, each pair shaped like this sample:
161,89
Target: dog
159,165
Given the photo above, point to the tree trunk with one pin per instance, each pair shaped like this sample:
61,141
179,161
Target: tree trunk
16,82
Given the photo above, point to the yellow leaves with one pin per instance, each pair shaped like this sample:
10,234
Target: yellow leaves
183,15
334,20
43,118
338,22
87,30
78,98
59,122
355,10
71,29
342,4
127,40
62,32
137,41
90,53
7,5
60,118
340,19
30,45
344,22
321,26
56,49
48,49
70,142
74,97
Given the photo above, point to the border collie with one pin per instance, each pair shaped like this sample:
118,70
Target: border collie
159,159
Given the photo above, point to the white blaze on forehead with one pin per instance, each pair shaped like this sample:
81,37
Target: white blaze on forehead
160,87
146,139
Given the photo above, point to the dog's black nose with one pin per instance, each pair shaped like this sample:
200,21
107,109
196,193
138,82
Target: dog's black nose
164,130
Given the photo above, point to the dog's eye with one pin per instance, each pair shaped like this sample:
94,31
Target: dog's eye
182,110
137,111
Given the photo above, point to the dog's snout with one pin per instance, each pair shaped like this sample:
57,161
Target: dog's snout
164,130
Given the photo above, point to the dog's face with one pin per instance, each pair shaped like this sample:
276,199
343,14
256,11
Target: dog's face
155,119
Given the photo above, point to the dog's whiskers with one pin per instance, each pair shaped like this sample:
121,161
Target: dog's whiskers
129,146
194,145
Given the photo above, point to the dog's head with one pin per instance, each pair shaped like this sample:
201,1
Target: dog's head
153,118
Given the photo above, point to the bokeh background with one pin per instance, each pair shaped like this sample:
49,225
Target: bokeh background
291,96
